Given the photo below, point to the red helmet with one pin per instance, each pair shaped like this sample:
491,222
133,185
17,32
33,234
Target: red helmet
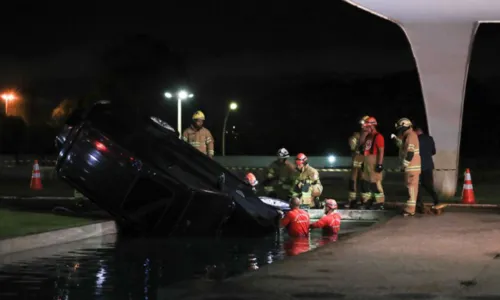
371,121
301,159
251,179
330,203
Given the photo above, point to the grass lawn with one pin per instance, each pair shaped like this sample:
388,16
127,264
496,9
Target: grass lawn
20,223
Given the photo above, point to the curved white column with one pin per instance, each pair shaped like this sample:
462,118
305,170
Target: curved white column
441,34
442,54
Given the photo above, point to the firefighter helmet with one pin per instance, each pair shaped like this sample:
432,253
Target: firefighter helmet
363,120
371,121
301,159
251,179
199,115
403,122
402,125
331,204
283,153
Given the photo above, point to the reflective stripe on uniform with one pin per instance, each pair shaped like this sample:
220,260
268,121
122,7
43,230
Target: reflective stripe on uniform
412,168
366,196
357,164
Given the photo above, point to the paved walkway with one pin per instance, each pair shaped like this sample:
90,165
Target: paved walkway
453,256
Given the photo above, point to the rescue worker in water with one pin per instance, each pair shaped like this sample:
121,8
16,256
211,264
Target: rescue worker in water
198,136
296,221
307,185
280,176
330,222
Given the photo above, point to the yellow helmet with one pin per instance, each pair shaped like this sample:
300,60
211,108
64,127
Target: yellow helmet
199,115
403,123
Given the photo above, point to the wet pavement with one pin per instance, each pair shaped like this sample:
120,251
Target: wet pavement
125,268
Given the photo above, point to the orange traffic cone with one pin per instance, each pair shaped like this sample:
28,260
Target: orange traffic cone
36,179
468,191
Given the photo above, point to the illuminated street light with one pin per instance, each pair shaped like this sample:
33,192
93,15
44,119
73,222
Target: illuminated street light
232,106
331,159
181,95
8,97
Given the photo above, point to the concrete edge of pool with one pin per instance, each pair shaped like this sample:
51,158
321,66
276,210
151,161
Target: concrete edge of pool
61,236
68,235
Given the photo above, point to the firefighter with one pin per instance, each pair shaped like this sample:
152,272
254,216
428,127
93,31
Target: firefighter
252,181
371,183
296,221
355,143
330,222
198,136
410,162
281,175
307,185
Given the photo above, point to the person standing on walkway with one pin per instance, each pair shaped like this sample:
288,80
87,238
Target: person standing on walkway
427,150
409,153
356,142
371,181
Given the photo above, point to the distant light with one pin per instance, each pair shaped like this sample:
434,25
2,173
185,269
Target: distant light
234,127
183,95
168,95
190,96
233,106
331,159
100,146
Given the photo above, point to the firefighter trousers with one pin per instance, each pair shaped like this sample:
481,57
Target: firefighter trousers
411,179
371,184
353,182
356,172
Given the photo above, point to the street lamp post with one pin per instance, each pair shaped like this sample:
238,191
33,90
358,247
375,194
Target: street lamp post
232,106
8,97
181,96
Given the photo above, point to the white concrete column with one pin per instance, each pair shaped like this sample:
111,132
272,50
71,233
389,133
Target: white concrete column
442,52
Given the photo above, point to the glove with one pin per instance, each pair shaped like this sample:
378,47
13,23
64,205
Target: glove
379,168
393,136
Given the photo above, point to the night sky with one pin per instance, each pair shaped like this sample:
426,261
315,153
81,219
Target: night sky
302,74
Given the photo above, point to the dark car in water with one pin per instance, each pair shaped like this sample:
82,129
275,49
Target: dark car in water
136,168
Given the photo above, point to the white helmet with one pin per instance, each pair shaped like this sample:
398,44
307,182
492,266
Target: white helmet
283,153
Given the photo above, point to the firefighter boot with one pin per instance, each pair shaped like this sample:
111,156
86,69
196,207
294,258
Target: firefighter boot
318,203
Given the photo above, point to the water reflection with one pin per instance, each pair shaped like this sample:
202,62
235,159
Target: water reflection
137,268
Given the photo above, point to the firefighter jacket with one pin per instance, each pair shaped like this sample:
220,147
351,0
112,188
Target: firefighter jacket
409,153
280,174
354,144
307,184
200,139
